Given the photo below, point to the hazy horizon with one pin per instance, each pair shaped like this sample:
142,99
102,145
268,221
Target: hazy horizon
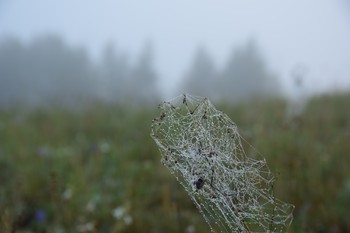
313,35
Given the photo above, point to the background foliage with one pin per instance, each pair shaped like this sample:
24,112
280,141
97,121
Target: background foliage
98,170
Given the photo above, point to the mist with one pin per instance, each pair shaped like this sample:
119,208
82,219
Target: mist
313,35
47,71
86,85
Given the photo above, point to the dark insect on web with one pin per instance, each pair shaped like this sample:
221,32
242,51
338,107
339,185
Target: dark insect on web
199,183
162,116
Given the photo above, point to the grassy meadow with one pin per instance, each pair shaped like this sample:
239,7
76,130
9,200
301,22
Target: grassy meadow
98,170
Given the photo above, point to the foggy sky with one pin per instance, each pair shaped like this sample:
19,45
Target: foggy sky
314,33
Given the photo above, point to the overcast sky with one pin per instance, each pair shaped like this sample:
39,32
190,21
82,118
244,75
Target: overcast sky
315,33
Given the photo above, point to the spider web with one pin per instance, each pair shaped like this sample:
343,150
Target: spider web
202,148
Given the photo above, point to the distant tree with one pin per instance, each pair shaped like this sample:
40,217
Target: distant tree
63,75
201,78
142,85
12,80
115,72
247,76
44,72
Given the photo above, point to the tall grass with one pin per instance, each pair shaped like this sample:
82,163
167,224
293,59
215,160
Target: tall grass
98,170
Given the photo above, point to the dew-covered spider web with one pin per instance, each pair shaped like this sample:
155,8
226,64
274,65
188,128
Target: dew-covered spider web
203,149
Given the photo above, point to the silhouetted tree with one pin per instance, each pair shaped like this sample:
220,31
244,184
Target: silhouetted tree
246,75
44,72
201,78
63,75
115,72
12,76
143,79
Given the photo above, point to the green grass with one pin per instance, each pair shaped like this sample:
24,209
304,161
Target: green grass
65,171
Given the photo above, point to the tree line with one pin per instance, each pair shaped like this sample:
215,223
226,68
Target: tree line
48,71
244,77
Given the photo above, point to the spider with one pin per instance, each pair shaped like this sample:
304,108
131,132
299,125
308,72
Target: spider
199,183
